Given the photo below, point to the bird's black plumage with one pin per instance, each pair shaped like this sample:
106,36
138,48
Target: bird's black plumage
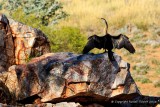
108,42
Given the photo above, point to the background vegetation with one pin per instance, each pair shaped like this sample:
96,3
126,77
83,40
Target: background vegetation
45,14
86,14
83,20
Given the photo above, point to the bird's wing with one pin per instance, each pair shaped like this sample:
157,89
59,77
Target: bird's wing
93,42
122,41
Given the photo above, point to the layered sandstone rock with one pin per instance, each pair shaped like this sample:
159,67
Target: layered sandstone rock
70,77
28,41
19,42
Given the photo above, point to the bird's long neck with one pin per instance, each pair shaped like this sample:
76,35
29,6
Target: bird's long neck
106,27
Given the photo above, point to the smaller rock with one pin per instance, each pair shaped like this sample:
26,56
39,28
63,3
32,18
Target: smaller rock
5,96
67,104
62,104
28,41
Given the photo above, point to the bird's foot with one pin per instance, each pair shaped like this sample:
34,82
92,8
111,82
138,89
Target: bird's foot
104,51
112,59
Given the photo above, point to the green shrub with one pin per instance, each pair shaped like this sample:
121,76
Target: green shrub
29,20
145,80
142,25
157,83
64,39
47,11
67,39
155,61
137,79
141,68
142,79
158,93
158,70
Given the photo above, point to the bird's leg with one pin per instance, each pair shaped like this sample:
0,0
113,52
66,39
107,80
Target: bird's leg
105,51
110,55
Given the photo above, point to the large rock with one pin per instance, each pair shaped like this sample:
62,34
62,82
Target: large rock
70,77
19,42
91,80
28,41
7,55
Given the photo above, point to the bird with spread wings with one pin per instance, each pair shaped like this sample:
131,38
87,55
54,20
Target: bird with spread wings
108,42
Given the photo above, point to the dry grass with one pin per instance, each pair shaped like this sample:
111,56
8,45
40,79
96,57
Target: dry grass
85,14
